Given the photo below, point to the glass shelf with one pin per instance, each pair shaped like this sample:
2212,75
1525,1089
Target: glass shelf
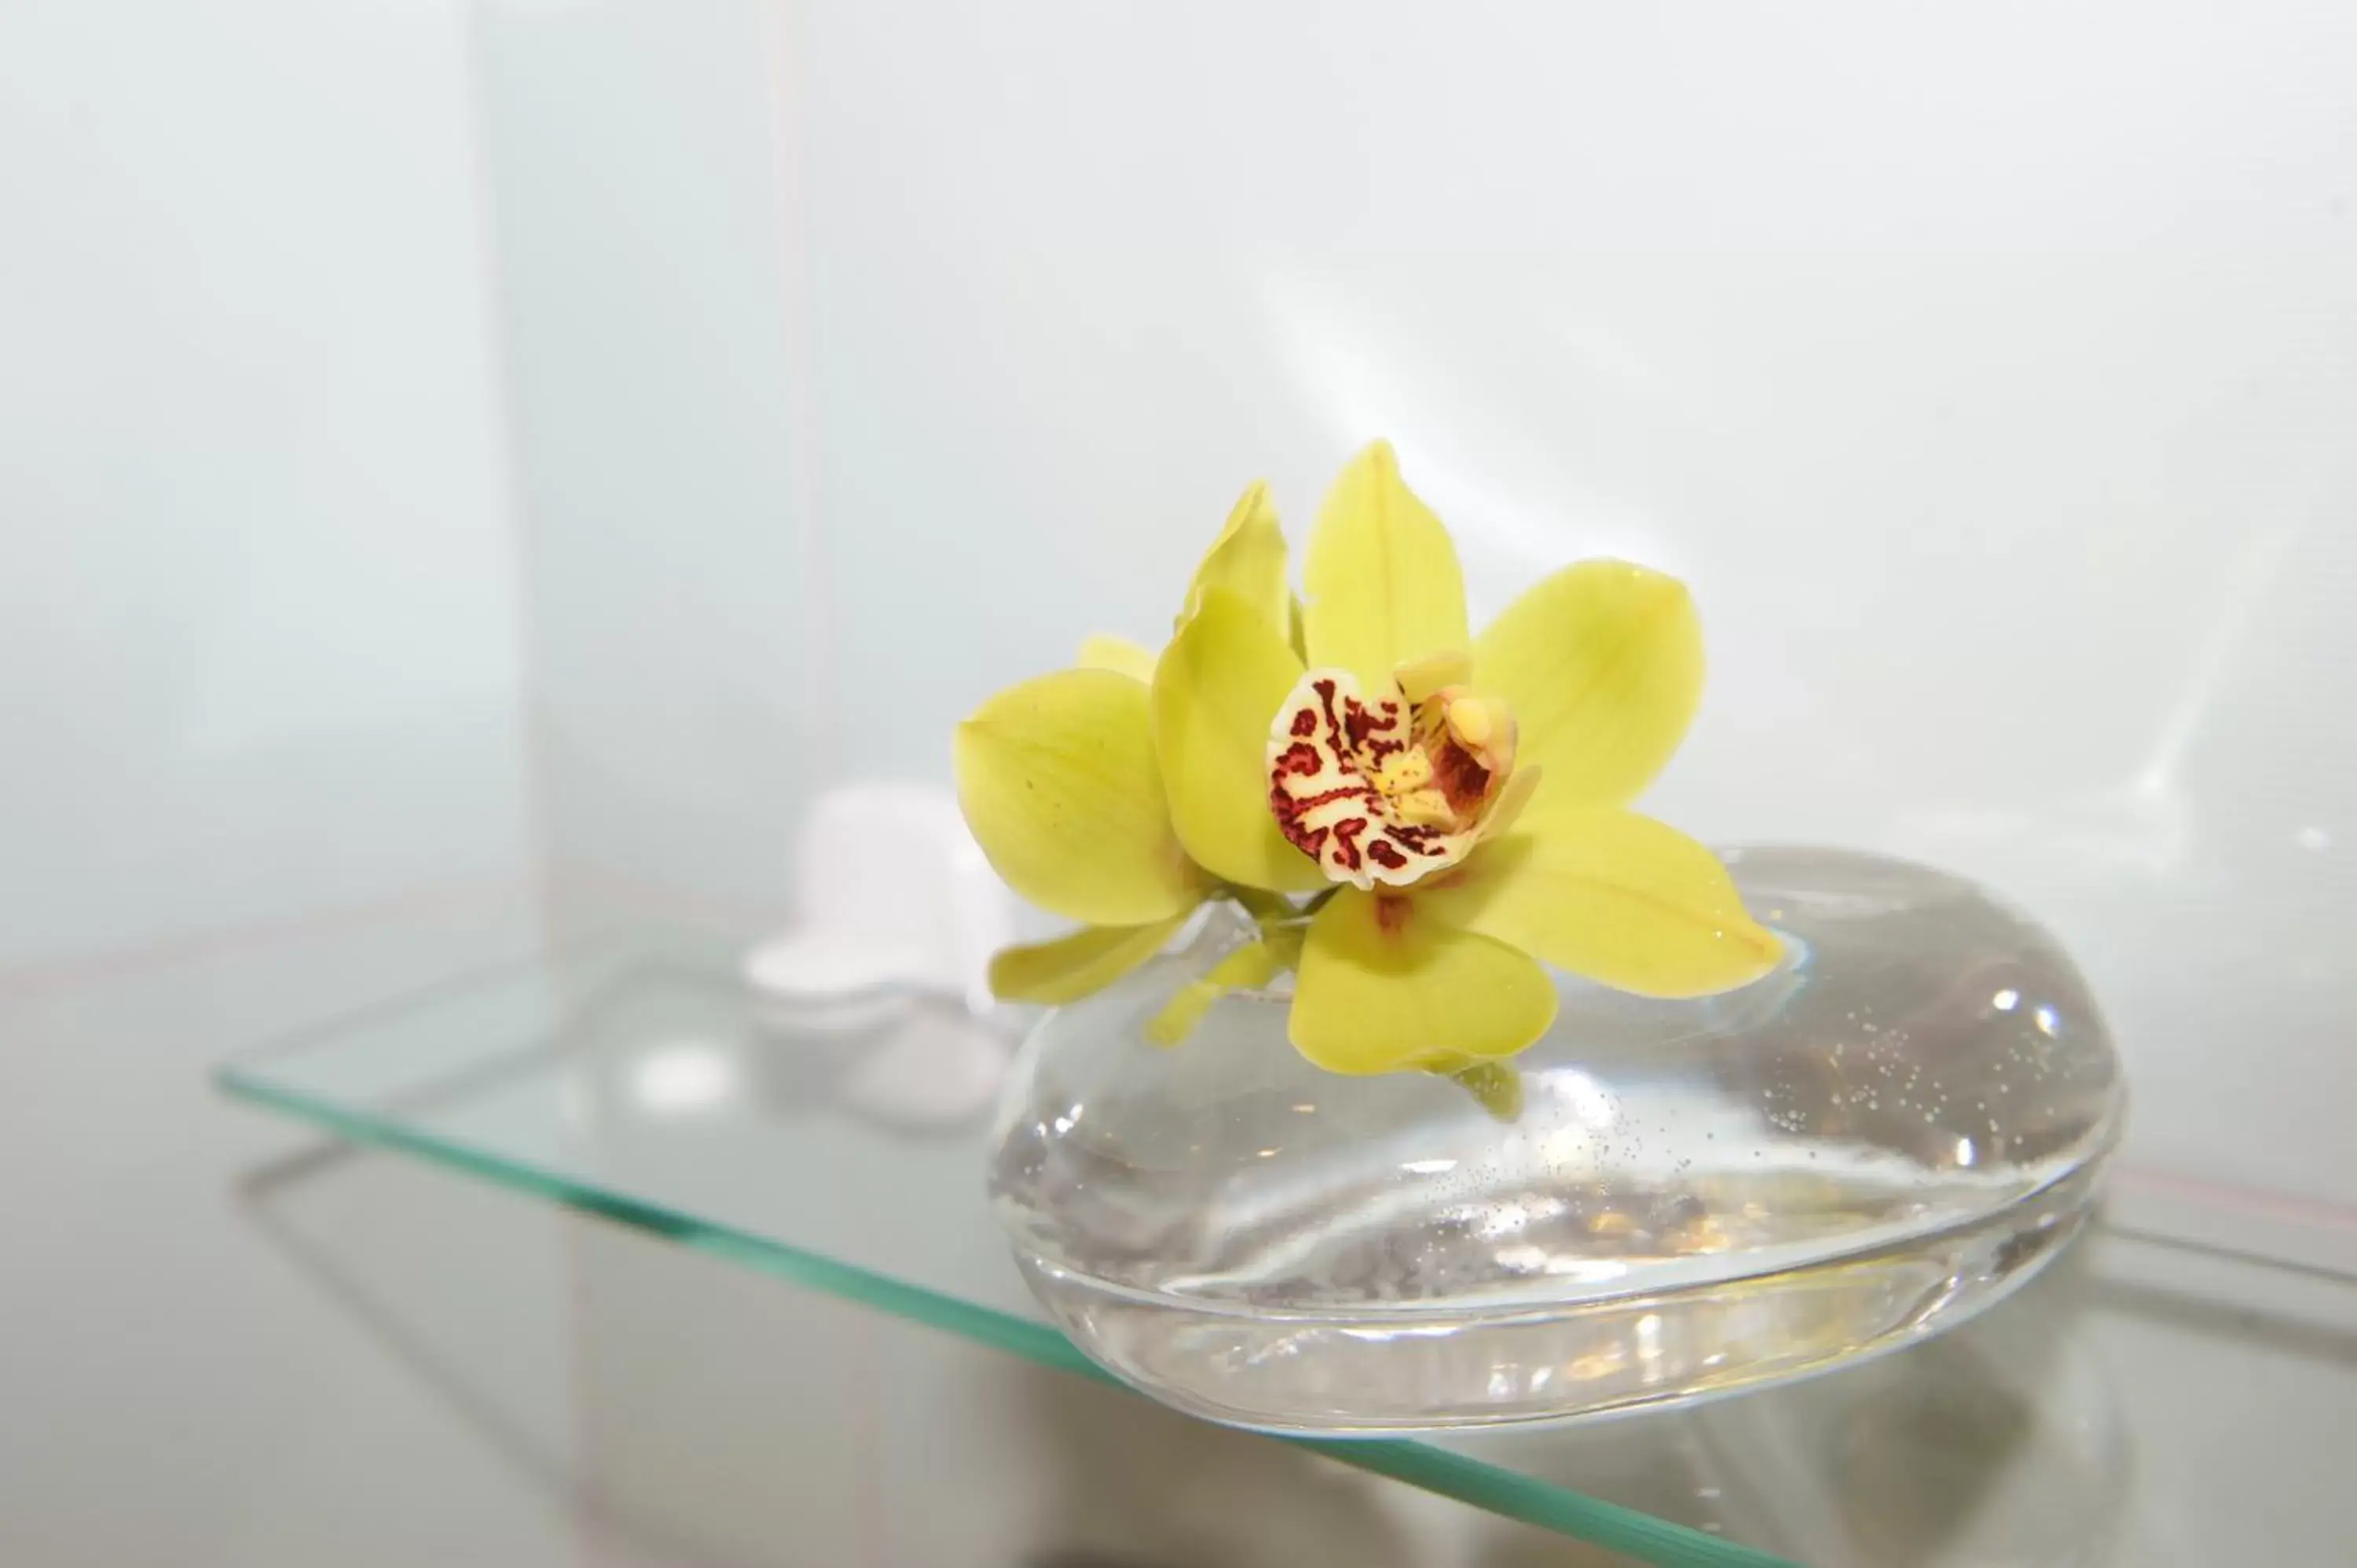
2146,1401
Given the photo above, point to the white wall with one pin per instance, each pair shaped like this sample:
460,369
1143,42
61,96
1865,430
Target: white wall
258,674
259,653
1992,374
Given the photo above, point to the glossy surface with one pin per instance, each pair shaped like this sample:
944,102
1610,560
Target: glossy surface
2171,1406
1881,1137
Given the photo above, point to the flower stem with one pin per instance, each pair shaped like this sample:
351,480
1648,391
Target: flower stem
1261,906
1496,1085
1254,963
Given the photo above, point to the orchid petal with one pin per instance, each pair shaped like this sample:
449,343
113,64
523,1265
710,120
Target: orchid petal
1220,682
1058,780
1247,560
1383,579
1602,665
1101,652
1618,898
1077,965
1384,988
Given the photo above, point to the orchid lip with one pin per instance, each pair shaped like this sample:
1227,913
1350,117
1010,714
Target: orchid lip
1381,790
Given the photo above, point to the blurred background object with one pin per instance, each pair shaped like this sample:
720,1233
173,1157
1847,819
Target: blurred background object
472,470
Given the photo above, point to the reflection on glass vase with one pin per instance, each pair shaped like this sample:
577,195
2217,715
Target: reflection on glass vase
1658,1201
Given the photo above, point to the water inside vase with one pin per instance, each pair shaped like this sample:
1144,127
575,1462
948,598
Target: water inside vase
1923,1059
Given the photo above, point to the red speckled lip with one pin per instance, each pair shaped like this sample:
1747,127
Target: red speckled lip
1325,751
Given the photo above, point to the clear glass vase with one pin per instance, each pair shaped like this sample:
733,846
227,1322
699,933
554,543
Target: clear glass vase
1656,1202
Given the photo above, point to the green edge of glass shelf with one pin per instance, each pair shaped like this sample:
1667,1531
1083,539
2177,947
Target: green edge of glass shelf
389,1078
1488,1487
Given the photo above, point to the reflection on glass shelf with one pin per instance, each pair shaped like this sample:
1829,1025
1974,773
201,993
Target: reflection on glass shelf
2147,1403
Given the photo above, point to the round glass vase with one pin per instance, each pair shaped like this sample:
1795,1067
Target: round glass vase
1656,1202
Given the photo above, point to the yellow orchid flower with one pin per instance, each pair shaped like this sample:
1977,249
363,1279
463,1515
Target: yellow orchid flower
1457,805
